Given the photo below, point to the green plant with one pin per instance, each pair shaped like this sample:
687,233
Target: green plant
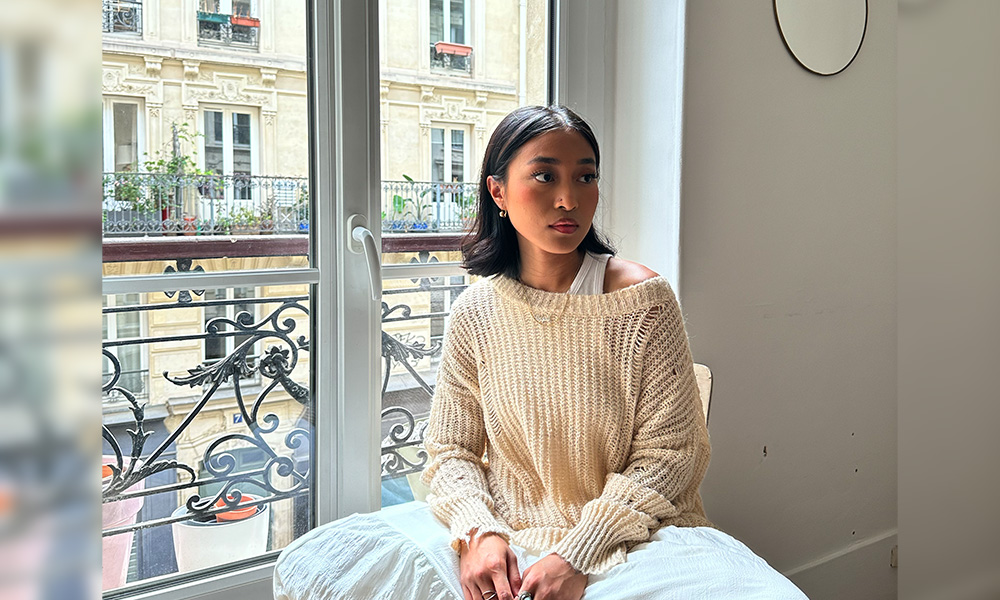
399,203
245,217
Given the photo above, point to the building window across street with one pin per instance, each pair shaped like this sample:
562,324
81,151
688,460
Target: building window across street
449,35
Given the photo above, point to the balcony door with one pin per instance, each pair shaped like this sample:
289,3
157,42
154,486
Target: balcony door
241,367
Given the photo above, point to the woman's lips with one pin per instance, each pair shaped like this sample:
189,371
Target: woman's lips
564,228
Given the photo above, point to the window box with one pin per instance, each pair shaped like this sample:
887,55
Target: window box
453,49
213,17
246,21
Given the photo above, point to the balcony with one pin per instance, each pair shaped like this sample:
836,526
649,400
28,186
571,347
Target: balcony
217,29
140,204
456,58
123,16
158,204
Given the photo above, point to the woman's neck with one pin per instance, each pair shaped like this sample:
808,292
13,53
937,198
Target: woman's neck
549,272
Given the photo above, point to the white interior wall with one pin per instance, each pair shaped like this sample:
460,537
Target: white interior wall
787,265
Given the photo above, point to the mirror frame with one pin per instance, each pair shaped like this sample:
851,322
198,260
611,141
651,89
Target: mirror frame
861,42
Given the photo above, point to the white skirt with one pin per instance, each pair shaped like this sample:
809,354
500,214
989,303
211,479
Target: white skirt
403,553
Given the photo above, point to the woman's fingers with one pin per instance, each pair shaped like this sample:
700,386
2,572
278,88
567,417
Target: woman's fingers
468,594
502,587
513,573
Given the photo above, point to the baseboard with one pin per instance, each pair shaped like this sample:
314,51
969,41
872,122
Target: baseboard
860,570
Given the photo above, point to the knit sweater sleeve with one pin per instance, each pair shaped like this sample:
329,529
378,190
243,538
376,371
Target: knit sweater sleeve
668,458
455,440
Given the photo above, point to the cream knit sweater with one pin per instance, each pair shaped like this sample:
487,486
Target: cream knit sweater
566,423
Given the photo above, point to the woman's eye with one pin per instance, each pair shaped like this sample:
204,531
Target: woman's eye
589,178
543,177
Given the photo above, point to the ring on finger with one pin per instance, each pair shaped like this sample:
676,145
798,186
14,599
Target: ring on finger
524,596
489,595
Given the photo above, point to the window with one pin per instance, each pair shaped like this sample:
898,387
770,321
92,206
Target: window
448,154
228,23
123,133
449,22
120,324
229,149
123,16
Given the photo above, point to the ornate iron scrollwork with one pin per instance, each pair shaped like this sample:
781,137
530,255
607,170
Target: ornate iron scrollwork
276,364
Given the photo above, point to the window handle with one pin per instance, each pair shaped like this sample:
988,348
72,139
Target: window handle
362,240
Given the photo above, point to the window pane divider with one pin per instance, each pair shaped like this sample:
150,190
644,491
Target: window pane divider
439,269
132,284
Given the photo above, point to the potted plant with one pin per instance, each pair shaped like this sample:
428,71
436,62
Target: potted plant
245,221
117,549
228,536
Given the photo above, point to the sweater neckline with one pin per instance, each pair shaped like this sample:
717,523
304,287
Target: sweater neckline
638,296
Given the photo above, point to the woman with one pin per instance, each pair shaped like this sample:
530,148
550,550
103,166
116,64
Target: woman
566,439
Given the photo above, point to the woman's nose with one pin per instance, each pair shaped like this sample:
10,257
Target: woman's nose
566,199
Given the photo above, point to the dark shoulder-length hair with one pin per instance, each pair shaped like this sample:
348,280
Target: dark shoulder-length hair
491,245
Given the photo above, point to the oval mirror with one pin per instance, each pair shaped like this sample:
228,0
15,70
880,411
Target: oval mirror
824,36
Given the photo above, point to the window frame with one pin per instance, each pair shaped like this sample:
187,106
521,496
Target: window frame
345,382
108,133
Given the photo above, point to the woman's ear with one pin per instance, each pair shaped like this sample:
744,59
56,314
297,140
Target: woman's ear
496,191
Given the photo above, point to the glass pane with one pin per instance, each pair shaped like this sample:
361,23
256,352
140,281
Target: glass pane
406,397
437,135
457,155
437,154
220,144
457,21
437,21
232,423
126,136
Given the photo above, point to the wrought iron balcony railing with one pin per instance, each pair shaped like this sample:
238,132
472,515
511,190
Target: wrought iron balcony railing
123,16
143,454
156,204
415,206
217,29
451,57
197,204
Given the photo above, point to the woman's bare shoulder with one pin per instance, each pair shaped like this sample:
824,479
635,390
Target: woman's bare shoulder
621,273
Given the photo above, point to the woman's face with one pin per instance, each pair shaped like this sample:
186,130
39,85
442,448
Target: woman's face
552,178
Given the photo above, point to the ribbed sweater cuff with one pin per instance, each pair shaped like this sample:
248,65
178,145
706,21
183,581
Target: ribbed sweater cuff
603,527
466,514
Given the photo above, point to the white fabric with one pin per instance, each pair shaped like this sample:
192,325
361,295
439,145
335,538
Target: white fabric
590,278
403,553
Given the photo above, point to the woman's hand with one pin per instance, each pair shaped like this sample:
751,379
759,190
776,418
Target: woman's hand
487,565
552,578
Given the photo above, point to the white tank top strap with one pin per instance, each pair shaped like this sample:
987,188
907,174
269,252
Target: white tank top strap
590,278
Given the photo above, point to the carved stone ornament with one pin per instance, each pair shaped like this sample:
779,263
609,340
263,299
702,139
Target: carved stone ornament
191,68
114,81
268,77
153,65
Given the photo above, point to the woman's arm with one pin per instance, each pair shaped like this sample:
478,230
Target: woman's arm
456,440
669,455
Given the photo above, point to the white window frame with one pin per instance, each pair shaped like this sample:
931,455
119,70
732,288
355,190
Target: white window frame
446,27
109,131
228,162
345,320
466,156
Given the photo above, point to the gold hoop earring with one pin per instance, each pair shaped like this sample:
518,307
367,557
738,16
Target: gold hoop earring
503,213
